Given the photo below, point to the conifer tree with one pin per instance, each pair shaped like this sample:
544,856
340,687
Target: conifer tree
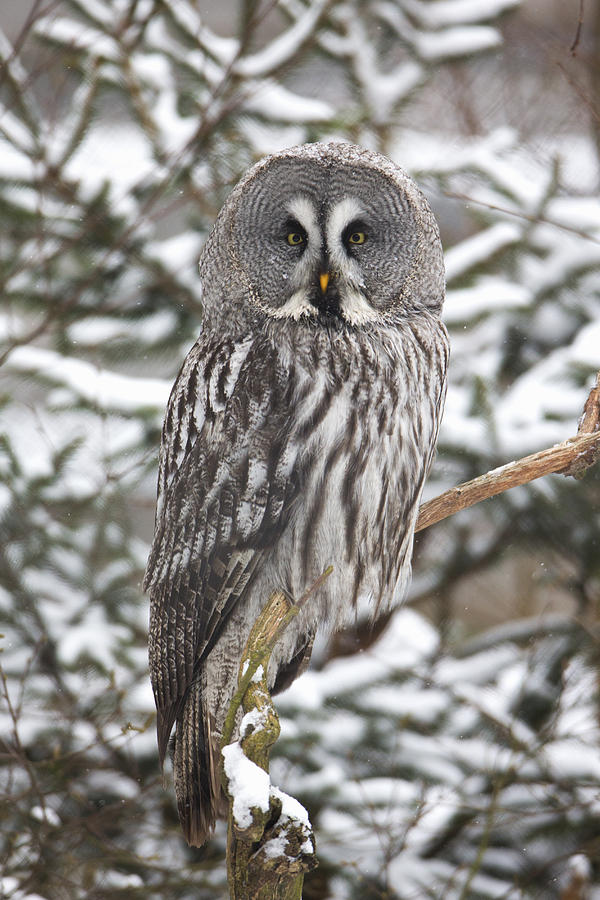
439,761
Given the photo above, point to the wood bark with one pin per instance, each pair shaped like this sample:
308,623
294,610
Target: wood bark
254,871
571,457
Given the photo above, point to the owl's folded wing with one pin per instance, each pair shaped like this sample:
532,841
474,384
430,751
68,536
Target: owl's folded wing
225,485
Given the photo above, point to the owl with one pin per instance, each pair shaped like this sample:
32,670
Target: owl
298,434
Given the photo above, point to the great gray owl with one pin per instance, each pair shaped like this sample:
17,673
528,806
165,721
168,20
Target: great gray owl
298,434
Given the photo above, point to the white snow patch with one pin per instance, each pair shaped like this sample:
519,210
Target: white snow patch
580,866
573,759
253,719
80,36
291,808
475,250
457,12
113,154
456,42
248,785
585,349
276,102
178,252
96,330
94,637
46,814
423,706
282,48
107,390
489,296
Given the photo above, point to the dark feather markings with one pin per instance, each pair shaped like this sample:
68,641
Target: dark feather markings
250,448
195,573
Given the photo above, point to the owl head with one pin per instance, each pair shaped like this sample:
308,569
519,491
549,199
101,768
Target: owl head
324,234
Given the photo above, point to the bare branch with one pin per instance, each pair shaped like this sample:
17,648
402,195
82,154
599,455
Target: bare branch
577,38
572,457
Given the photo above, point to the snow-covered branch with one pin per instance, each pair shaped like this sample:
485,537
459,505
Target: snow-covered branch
270,841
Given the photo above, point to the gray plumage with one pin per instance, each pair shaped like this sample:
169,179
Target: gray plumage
298,434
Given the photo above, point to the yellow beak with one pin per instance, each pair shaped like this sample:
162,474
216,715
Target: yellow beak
324,281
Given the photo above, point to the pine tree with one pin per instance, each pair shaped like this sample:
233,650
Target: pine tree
437,763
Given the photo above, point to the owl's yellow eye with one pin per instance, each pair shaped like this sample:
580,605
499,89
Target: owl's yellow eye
294,238
357,237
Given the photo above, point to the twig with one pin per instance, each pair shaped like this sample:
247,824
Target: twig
577,38
534,219
572,457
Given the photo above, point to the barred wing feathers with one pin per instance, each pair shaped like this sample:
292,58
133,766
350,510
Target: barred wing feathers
225,483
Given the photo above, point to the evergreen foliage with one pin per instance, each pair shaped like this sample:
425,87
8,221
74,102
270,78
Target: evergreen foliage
438,762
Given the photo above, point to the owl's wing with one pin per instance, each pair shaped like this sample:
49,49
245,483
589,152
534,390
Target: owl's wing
226,480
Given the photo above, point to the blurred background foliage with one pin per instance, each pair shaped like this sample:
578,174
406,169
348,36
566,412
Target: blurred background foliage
454,752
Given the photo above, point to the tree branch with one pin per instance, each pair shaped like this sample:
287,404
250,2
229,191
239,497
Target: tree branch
572,457
270,844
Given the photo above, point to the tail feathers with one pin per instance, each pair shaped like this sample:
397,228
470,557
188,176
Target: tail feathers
196,765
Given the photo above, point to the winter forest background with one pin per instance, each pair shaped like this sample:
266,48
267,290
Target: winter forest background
457,754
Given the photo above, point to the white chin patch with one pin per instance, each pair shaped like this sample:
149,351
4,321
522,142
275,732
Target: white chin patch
355,308
297,306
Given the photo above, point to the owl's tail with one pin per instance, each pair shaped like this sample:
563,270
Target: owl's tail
196,770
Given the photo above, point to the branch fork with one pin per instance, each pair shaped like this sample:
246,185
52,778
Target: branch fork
270,841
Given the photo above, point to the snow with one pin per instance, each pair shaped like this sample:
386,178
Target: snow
406,702
177,253
382,90
82,37
46,814
387,792
95,330
292,814
475,668
569,758
15,139
580,866
105,389
248,784
117,156
454,12
391,745
276,102
291,809
266,138
585,349
282,48
95,637
408,640
120,881
433,46
488,297
478,249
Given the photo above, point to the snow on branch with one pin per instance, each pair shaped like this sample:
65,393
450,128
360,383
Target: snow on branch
284,47
108,390
457,12
270,841
432,46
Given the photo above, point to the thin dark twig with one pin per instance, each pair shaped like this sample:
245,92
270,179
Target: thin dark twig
535,219
581,93
577,38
